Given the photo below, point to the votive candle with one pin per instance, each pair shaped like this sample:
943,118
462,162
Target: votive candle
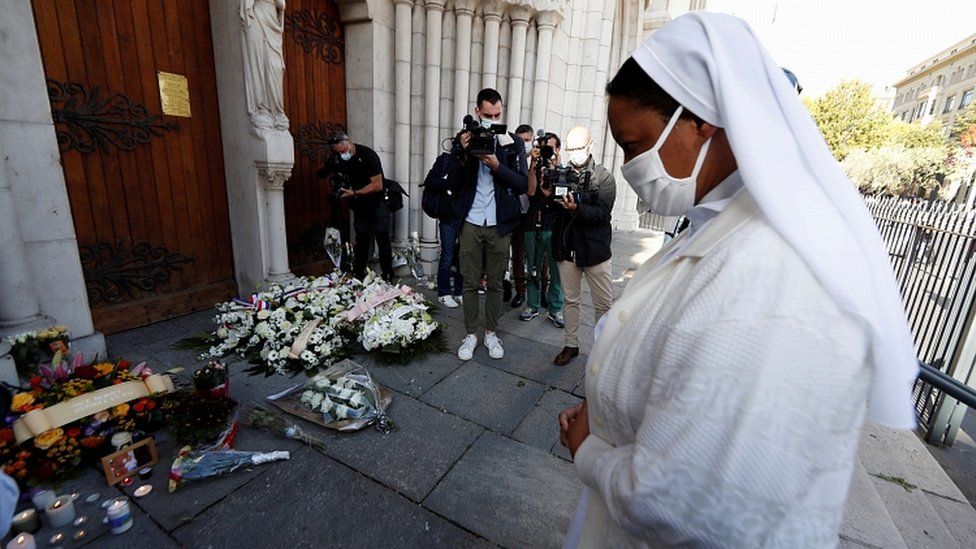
61,511
119,516
26,521
22,541
42,498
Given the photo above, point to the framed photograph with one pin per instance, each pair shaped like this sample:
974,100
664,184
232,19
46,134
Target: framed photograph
127,461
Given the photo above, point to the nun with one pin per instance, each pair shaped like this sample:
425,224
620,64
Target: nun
727,387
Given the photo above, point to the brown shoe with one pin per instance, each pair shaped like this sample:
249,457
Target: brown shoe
566,355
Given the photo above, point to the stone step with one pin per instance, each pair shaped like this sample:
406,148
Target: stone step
866,521
920,499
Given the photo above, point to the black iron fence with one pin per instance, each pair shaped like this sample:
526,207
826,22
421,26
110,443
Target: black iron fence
931,246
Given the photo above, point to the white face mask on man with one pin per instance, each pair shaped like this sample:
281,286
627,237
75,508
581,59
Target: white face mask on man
663,194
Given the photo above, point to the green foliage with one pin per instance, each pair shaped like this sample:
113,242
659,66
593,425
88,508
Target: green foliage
914,136
850,118
963,123
897,170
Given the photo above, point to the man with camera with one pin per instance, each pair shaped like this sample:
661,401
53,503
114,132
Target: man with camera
584,195
492,172
356,175
544,172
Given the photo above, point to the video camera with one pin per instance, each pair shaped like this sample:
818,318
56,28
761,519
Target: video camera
482,139
564,180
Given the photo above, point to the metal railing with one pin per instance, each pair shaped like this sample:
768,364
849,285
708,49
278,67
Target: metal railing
931,246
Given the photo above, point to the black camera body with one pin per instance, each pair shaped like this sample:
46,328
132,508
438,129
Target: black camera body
546,152
340,182
482,139
564,180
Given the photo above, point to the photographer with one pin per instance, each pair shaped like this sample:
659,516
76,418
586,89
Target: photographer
581,236
544,165
356,175
492,173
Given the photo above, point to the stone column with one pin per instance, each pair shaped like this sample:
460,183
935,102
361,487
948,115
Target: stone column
528,74
19,309
520,16
401,130
493,10
273,176
462,58
432,85
546,20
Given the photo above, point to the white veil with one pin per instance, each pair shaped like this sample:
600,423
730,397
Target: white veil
716,67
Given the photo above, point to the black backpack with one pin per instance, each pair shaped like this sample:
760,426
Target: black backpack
393,194
437,200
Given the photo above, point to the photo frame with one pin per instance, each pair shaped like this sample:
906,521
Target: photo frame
127,462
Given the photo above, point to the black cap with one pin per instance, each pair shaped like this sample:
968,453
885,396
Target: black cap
337,137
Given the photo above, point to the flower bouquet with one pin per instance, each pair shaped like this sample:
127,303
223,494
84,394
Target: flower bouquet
55,454
307,325
212,379
195,465
260,417
31,348
343,398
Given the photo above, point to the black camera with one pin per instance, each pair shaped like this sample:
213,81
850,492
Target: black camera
546,152
482,139
564,180
340,182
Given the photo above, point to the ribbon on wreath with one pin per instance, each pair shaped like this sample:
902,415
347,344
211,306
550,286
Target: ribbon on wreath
36,422
375,300
301,342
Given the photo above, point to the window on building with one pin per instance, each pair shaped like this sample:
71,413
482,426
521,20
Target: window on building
932,107
966,99
948,105
938,81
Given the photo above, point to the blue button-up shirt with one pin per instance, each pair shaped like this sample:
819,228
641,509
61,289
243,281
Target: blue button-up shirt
482,212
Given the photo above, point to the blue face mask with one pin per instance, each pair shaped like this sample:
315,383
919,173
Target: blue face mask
486,124
345,156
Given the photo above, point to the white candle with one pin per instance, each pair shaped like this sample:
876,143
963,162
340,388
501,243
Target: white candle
22,541
25,521
119,516
42,498
61,511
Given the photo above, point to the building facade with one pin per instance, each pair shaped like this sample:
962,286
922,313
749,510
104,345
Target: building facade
940,87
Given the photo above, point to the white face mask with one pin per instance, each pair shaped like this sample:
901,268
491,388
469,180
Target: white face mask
663,194
486,123
528,147
345,156
578,158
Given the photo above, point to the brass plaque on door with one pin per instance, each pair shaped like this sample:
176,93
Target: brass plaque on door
174,94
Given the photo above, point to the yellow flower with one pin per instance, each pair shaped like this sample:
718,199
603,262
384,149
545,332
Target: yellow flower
104,368
120,411
21,401
47,439
52,332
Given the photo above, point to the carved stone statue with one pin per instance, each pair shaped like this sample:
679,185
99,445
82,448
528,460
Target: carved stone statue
263,22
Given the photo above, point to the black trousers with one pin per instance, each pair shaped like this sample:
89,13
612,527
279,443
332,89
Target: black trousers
373,226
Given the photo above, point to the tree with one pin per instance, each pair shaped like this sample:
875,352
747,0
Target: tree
850,118
897,170
964,125
913,136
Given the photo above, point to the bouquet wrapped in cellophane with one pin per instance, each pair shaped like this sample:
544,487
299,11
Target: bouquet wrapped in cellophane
344,398
190,465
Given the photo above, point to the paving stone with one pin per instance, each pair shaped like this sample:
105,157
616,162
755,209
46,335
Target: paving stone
486,396
415,378
171,510
533,360
509,493
540,428
325,505
411,459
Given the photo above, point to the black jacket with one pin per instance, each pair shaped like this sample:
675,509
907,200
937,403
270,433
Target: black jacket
583,236
511,180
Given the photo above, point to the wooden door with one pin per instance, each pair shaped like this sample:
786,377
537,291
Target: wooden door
147,189
315,102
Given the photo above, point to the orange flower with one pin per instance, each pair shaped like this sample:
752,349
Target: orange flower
47,439
120,411
21,401
104,368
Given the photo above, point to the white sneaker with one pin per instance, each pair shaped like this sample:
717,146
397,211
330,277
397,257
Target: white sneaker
495,349
448,301
459,299
466,350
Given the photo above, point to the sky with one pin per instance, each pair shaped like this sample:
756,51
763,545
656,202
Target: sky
826,41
